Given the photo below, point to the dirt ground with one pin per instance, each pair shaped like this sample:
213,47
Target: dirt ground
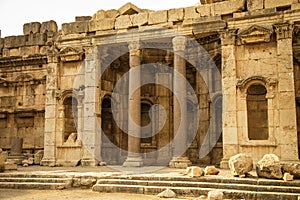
13,194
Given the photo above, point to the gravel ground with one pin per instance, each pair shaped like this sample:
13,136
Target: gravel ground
13,194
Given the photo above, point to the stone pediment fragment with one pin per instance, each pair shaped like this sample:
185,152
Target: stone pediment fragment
69,54
129,9
255,34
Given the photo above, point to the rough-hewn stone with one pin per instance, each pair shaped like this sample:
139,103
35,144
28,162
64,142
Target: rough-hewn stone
101,25
176,14
215,195
269,167
158,17
139,19
240,164
122,22
288,177
291,168
194,171
168,193
2,161
211,170
31,28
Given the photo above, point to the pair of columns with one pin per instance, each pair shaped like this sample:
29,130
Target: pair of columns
179,159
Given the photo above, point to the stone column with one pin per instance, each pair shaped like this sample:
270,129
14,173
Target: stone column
230,132
287,137
51,111
91,132
134,158
179,160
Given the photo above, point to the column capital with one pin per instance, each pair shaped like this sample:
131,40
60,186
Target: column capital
228,37
134,45
284,30
179,43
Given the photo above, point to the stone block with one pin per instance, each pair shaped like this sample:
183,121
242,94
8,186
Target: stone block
14,41
255,4
211,170
33,27
129,9
158,17
36,39
215,195
100,14
139,19
49,26
111,13
82,18
75,27
168,193
38,156
240,165
31,50
175,14
123,22
277,3
204,10
228,7
10,166
101,25
190,13
194,171
269,167
2,161
288,177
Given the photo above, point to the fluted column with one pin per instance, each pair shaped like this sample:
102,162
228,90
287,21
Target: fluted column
179,160
134,158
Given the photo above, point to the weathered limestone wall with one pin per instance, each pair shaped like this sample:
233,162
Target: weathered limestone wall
254,42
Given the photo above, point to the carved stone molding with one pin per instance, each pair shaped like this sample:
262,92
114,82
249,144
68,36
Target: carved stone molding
269,83
255,34
179,43
284,30
70,54
228,37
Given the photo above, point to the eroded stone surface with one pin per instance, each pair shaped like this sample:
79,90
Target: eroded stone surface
269,167
240,164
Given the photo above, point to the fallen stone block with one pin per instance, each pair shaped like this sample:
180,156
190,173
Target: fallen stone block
215,195
211,170
269,167
288,177
194,171
291,168
10,166
240,165
168,193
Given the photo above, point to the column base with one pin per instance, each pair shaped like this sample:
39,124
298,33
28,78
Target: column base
224,164
133,162
50,162
89,162
180,162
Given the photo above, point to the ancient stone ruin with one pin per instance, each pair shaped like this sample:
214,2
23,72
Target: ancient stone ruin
240,59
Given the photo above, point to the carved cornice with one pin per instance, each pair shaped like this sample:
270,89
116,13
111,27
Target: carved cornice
255,34
17,61
70,54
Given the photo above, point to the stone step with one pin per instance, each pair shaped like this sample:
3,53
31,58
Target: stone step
29,175
195,191
33,185
200,184
38,180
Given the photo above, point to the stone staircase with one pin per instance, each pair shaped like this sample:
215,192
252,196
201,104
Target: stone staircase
34,181
233,188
